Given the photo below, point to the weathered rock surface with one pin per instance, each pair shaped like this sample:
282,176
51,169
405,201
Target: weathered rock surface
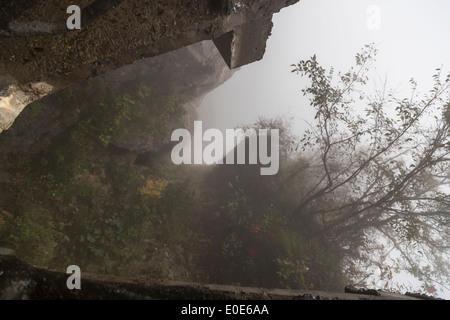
13,98
187,74
117,33
21,281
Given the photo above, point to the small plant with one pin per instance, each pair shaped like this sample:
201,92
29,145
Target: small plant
153,188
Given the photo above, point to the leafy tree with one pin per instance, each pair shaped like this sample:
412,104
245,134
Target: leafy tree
378,166
251,241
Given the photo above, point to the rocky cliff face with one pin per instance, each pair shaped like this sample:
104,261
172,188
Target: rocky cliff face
183,77
97,101
39,56
14,98
66,149
187,74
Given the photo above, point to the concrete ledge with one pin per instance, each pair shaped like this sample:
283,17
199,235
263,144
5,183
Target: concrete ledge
21,281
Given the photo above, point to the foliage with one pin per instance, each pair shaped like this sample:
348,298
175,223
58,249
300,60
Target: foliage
118,114
378,170
91,218
153,188
78,201
253,242
360,176
309,262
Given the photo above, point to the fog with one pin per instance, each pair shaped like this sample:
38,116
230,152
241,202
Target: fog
412,42
94,176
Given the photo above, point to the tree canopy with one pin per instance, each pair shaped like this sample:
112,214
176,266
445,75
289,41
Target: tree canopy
378,171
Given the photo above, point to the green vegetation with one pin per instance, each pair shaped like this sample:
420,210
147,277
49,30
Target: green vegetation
118,115
92,213
92,206
79,201
379,172
252,242
82,199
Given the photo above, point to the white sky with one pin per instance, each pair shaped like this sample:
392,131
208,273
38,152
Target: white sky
414,39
